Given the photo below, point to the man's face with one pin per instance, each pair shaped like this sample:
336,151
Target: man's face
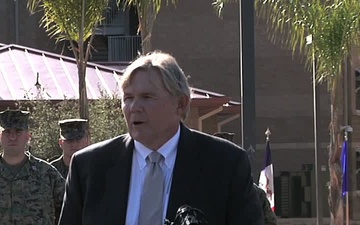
69,147
14,141
152,114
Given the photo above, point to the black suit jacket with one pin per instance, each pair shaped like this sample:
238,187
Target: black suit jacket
210,174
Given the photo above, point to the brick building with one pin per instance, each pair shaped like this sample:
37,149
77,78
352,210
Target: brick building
208,50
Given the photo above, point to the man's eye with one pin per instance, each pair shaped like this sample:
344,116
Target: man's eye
127,98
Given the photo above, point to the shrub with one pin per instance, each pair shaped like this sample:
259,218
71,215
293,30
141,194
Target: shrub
106,121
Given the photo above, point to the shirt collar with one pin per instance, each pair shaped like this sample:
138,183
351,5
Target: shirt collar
168,150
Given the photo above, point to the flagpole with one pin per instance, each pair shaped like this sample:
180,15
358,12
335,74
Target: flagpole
267,133
347,211
266,178
347,193
347,208
346,129
316,100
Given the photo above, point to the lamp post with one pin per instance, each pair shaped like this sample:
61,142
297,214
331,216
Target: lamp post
38,87
247,73
319,217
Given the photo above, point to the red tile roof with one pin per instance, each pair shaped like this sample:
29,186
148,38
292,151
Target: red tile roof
58,78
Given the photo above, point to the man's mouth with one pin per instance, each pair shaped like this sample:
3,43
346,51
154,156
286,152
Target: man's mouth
137,123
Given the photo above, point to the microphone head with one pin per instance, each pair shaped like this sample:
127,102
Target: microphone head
187,215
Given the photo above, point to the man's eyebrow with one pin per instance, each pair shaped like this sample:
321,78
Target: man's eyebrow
147,93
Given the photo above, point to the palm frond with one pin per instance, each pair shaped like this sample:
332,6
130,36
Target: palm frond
219,6
334,25
62,18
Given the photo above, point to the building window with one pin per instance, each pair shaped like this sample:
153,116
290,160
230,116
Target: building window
357,169
357,90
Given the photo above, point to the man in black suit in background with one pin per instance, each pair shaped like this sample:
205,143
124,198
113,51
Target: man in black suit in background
143,177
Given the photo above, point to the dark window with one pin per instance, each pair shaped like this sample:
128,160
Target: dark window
358,169
357,89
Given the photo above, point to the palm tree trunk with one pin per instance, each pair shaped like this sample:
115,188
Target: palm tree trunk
335,201
146,23
145,41
83,102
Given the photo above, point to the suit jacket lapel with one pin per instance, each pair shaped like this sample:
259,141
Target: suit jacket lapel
118,181
185,172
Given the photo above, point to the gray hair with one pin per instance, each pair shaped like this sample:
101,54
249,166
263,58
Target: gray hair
172,76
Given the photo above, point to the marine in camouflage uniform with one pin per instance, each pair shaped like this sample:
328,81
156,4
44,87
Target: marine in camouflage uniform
31,190
73,137
32,195
60,166
269,215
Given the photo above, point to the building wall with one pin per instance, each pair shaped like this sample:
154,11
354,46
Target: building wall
208,50
25,30
205,46
210,125
283,87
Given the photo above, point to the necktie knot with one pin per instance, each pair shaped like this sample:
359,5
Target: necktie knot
155,157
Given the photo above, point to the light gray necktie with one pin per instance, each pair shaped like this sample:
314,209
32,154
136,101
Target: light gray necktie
151,203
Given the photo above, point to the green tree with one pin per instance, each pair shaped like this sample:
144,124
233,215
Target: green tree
106,121
74,21
334,26
147,10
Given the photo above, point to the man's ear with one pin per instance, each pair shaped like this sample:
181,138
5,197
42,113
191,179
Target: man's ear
60,142
183,104
88,139
29,136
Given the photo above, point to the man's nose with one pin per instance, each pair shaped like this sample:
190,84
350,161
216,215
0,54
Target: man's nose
135,105
12,136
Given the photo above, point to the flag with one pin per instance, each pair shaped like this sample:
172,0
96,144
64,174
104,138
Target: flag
344,166
266,179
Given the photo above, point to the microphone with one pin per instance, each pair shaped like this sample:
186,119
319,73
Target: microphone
187,215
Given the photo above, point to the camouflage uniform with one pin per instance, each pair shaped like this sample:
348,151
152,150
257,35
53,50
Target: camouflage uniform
269,215
60,166
32,195
70,130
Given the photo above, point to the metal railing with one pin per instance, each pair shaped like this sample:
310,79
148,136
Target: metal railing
123,48
114,15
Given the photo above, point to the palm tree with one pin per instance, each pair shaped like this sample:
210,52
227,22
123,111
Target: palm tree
147,10
334,26
74,21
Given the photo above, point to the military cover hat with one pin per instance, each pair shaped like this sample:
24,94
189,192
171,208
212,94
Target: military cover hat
14,119
73,129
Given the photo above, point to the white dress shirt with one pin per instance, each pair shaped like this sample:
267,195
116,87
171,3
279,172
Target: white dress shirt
138,170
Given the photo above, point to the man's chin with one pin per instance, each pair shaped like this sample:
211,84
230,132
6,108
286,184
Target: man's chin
70,153
14,150
137,137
